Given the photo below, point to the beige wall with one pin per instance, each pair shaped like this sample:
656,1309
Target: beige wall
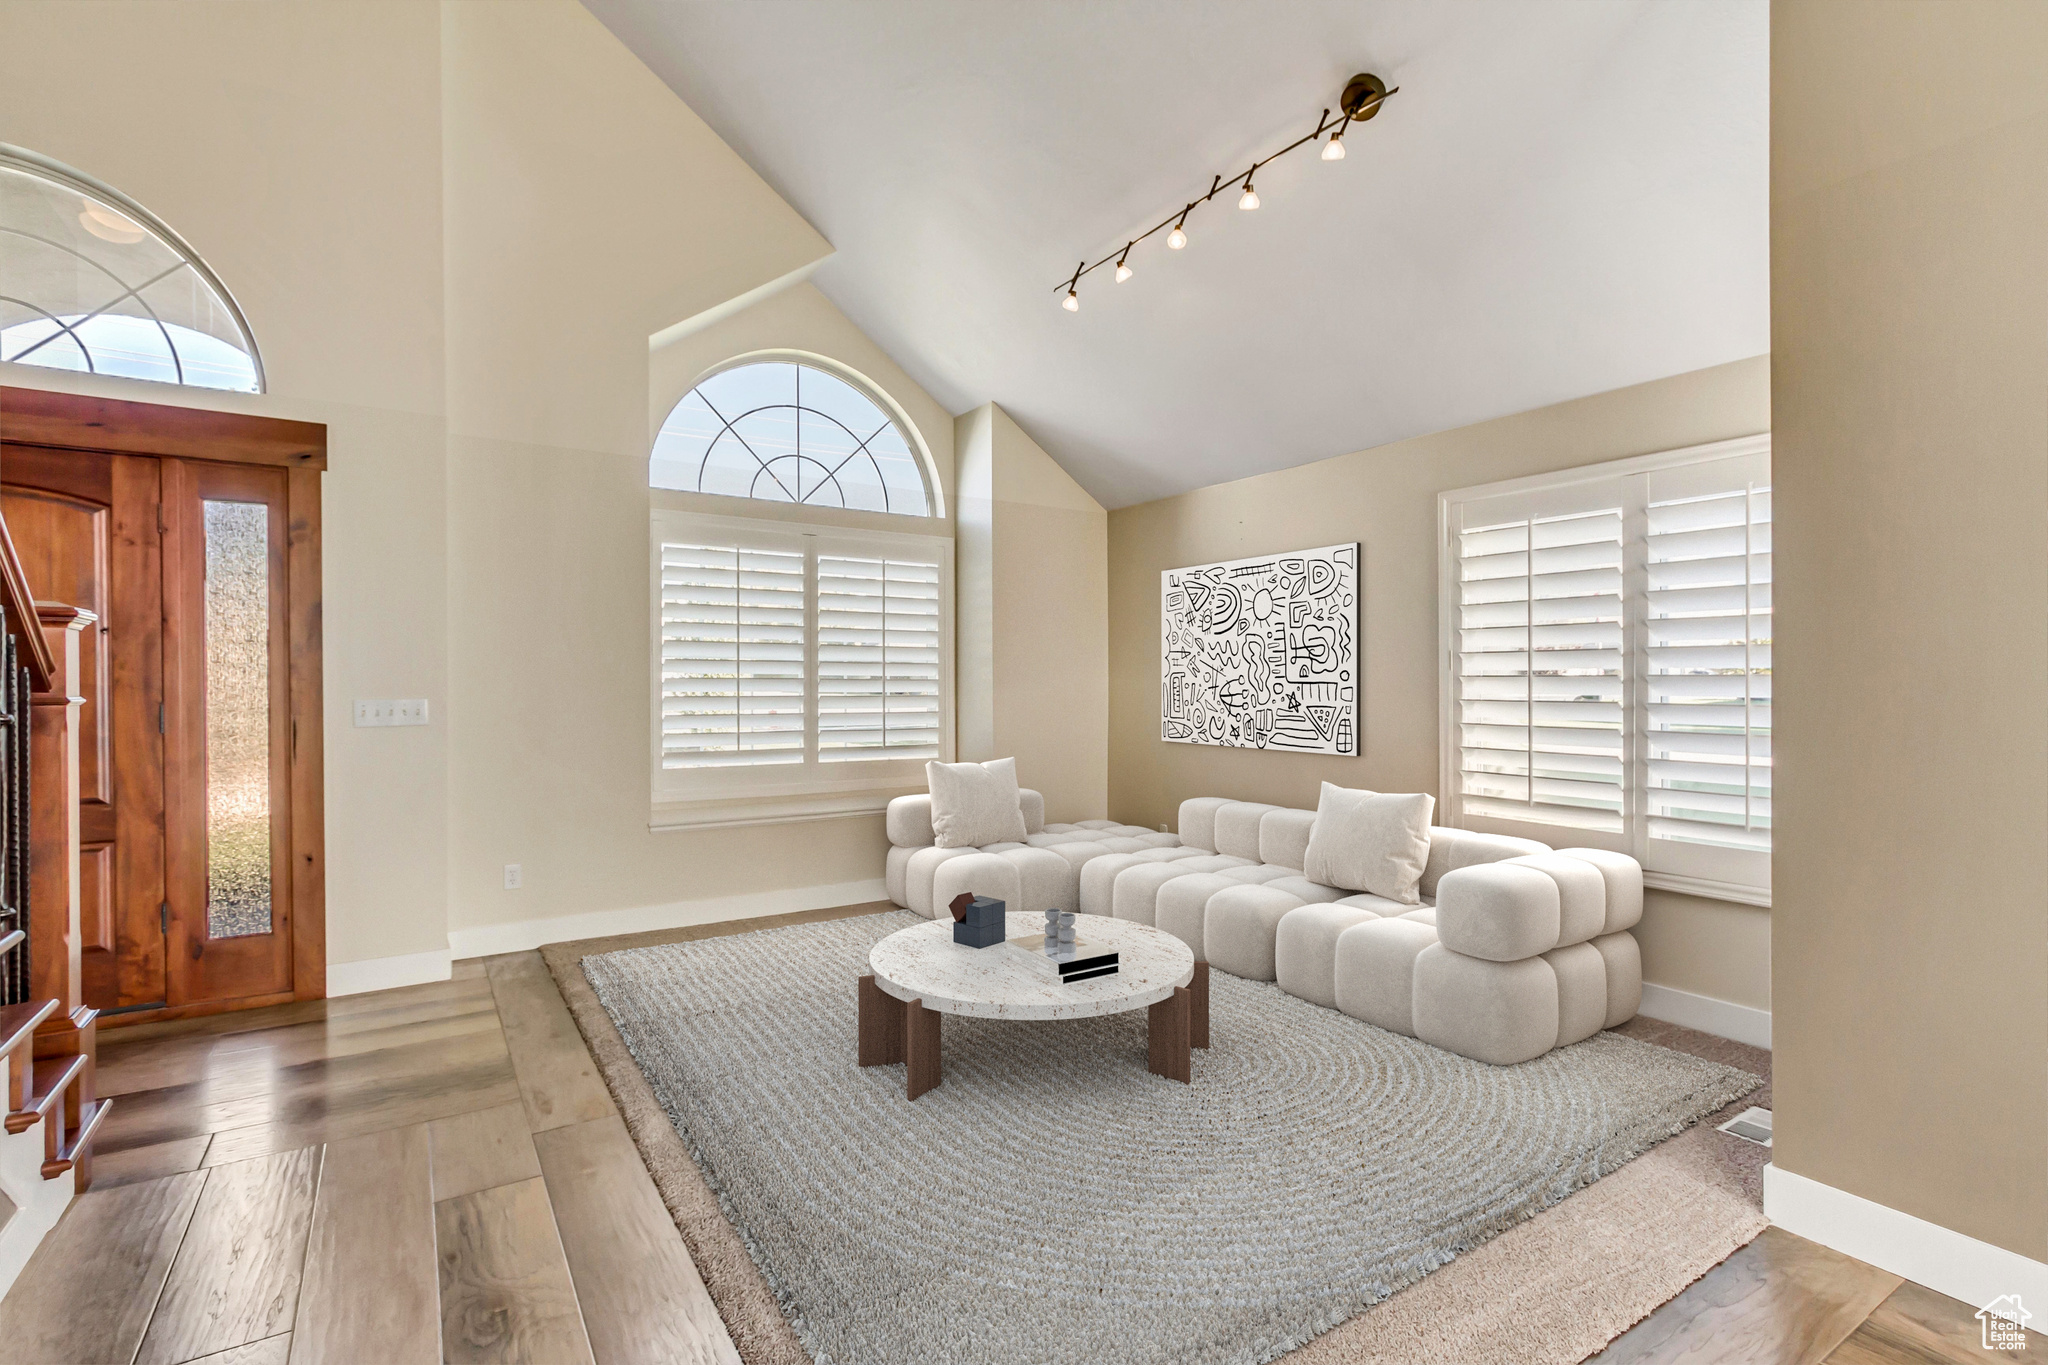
1034,632
1909,288
1385,499
545,535
580,171
454,228
294,146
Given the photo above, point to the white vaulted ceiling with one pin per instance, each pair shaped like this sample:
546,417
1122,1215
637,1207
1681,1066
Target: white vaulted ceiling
1567,196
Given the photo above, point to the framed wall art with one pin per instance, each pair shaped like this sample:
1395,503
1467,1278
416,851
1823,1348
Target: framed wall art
1262,653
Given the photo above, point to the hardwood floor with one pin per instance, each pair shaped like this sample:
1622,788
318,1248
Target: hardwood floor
357,1180
438,1173
1783,1300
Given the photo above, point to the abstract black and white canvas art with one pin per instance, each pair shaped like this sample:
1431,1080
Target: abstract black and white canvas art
1262,653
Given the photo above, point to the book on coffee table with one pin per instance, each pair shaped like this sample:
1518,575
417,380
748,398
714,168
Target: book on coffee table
1065,962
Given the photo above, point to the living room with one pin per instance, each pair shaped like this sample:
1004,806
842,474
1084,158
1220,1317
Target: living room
648,435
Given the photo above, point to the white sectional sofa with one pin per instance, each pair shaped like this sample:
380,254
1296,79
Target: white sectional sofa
1040,874
1516,948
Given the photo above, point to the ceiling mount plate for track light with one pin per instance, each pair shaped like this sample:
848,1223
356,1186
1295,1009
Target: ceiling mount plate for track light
1366,90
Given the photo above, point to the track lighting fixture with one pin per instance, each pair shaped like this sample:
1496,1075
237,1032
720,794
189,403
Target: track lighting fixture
1363,95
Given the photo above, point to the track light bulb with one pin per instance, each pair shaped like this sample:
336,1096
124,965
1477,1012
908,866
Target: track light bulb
1333,150
1176,238
1250,198
1072,302
1123,272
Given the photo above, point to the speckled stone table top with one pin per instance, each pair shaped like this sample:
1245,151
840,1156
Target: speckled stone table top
923,963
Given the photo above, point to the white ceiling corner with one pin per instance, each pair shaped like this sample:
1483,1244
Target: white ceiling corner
1566,197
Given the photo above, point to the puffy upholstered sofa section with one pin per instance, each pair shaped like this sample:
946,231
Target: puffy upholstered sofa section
1517,948
1042,873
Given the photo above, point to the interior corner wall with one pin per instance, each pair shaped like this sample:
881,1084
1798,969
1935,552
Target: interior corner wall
260,133
1385,498
1909,288
1033,637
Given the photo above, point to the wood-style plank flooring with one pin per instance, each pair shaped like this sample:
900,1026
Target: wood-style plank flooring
438,1173
419,1175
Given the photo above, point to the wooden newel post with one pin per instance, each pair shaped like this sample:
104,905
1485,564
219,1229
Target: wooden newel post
53,815
53,886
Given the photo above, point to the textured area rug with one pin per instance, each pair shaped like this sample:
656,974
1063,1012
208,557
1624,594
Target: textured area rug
1054,1201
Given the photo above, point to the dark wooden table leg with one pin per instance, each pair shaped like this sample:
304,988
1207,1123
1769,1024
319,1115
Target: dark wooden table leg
1198,1007
1167,1041
920,1048
881,1025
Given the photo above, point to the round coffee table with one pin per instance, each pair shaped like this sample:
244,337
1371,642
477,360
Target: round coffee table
921,975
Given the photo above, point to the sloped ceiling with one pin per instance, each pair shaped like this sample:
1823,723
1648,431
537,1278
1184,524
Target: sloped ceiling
1566,197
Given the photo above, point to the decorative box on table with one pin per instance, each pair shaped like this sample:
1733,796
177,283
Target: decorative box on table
978,921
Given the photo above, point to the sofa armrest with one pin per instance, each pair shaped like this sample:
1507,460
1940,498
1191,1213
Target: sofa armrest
909,821
1033,806
1624,877
1450,849
1502,912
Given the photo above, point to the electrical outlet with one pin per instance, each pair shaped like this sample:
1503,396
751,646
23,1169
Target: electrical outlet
409,711
512,876
1164,830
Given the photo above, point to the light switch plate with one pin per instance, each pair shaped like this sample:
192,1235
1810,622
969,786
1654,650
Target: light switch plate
408,711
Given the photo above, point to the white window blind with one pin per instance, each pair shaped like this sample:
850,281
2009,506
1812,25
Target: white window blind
1539,662
1707,634
878,658
796,661
732,656
1607,661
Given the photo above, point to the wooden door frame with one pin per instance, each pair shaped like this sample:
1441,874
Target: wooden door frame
68,421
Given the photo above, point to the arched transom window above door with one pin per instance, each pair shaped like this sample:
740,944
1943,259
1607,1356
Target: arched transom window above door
786,431
91,281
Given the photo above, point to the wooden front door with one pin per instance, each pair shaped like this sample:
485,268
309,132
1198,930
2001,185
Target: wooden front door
86,527
194,539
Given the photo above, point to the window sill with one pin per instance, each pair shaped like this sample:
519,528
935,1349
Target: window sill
1708,889
736,812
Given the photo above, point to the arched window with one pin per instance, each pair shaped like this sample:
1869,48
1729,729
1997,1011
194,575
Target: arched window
92,281
784,431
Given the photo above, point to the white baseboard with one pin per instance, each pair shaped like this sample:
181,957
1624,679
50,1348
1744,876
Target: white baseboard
1722,1018
383,973
1925,1253
524,934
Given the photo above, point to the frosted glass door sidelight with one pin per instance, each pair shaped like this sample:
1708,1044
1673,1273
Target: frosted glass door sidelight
230,730
237,627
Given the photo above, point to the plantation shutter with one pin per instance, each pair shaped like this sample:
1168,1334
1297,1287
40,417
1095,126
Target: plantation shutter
1538,663
878,658
1707,689
1607,662
732,656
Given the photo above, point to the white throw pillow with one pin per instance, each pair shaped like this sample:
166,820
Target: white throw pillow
1366,841
975,803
